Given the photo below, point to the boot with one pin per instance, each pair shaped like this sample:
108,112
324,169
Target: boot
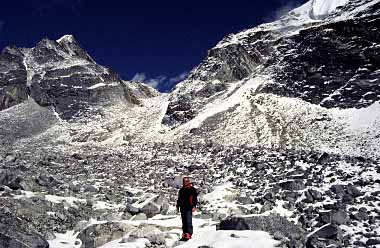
184,237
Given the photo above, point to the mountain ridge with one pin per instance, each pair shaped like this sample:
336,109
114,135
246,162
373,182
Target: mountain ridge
61,74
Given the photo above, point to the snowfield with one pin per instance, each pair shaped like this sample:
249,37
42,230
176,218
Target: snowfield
232,239
322,8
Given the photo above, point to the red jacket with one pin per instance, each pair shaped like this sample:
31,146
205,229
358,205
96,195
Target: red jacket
187,198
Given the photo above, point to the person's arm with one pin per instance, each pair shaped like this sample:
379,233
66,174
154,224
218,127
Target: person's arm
195,199
178,200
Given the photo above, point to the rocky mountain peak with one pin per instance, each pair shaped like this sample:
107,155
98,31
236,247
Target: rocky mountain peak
60,73
72,47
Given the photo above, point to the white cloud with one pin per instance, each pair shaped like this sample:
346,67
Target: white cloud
139,77
153,82
283,10
179,78
160,82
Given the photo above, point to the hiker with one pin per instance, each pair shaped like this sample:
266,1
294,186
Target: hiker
186,203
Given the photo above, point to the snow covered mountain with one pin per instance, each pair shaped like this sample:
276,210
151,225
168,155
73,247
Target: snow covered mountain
59,74
55,81
283,83
279,127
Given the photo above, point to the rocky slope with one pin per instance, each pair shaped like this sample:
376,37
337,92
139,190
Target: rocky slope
329,59
279,128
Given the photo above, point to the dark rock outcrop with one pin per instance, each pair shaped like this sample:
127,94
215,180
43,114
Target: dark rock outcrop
274,224
16,233
303,66
13,88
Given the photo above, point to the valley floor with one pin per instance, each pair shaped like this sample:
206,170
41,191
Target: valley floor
101,189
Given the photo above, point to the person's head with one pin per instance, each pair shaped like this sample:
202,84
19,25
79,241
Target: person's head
186,181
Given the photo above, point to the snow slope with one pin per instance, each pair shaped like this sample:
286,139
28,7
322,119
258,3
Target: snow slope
322,8
240,116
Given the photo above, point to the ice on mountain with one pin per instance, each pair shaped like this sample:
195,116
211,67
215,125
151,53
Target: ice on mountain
66,38
96,86
322,8
315,10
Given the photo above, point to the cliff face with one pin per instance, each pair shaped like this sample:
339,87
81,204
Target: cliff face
324,52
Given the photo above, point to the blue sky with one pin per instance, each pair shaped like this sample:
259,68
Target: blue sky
155,41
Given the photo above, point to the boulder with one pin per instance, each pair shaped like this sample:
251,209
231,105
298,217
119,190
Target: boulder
110,217
353,191
325,236
91,188
15,181
174,181
81,225
131,209
324,158
337,189
47,180
245,200
317,195
157,205
373,242
339,217
140,216
20,238
100,234
273,224
10,158
292,185
360,216
328,231
153,234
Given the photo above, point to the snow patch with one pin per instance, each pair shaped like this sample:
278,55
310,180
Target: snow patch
65,240
98,85
232,239
322,8
221,200
360,119
138,243
66,38
224,104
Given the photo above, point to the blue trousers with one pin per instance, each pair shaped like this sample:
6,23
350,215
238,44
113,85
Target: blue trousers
187,221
